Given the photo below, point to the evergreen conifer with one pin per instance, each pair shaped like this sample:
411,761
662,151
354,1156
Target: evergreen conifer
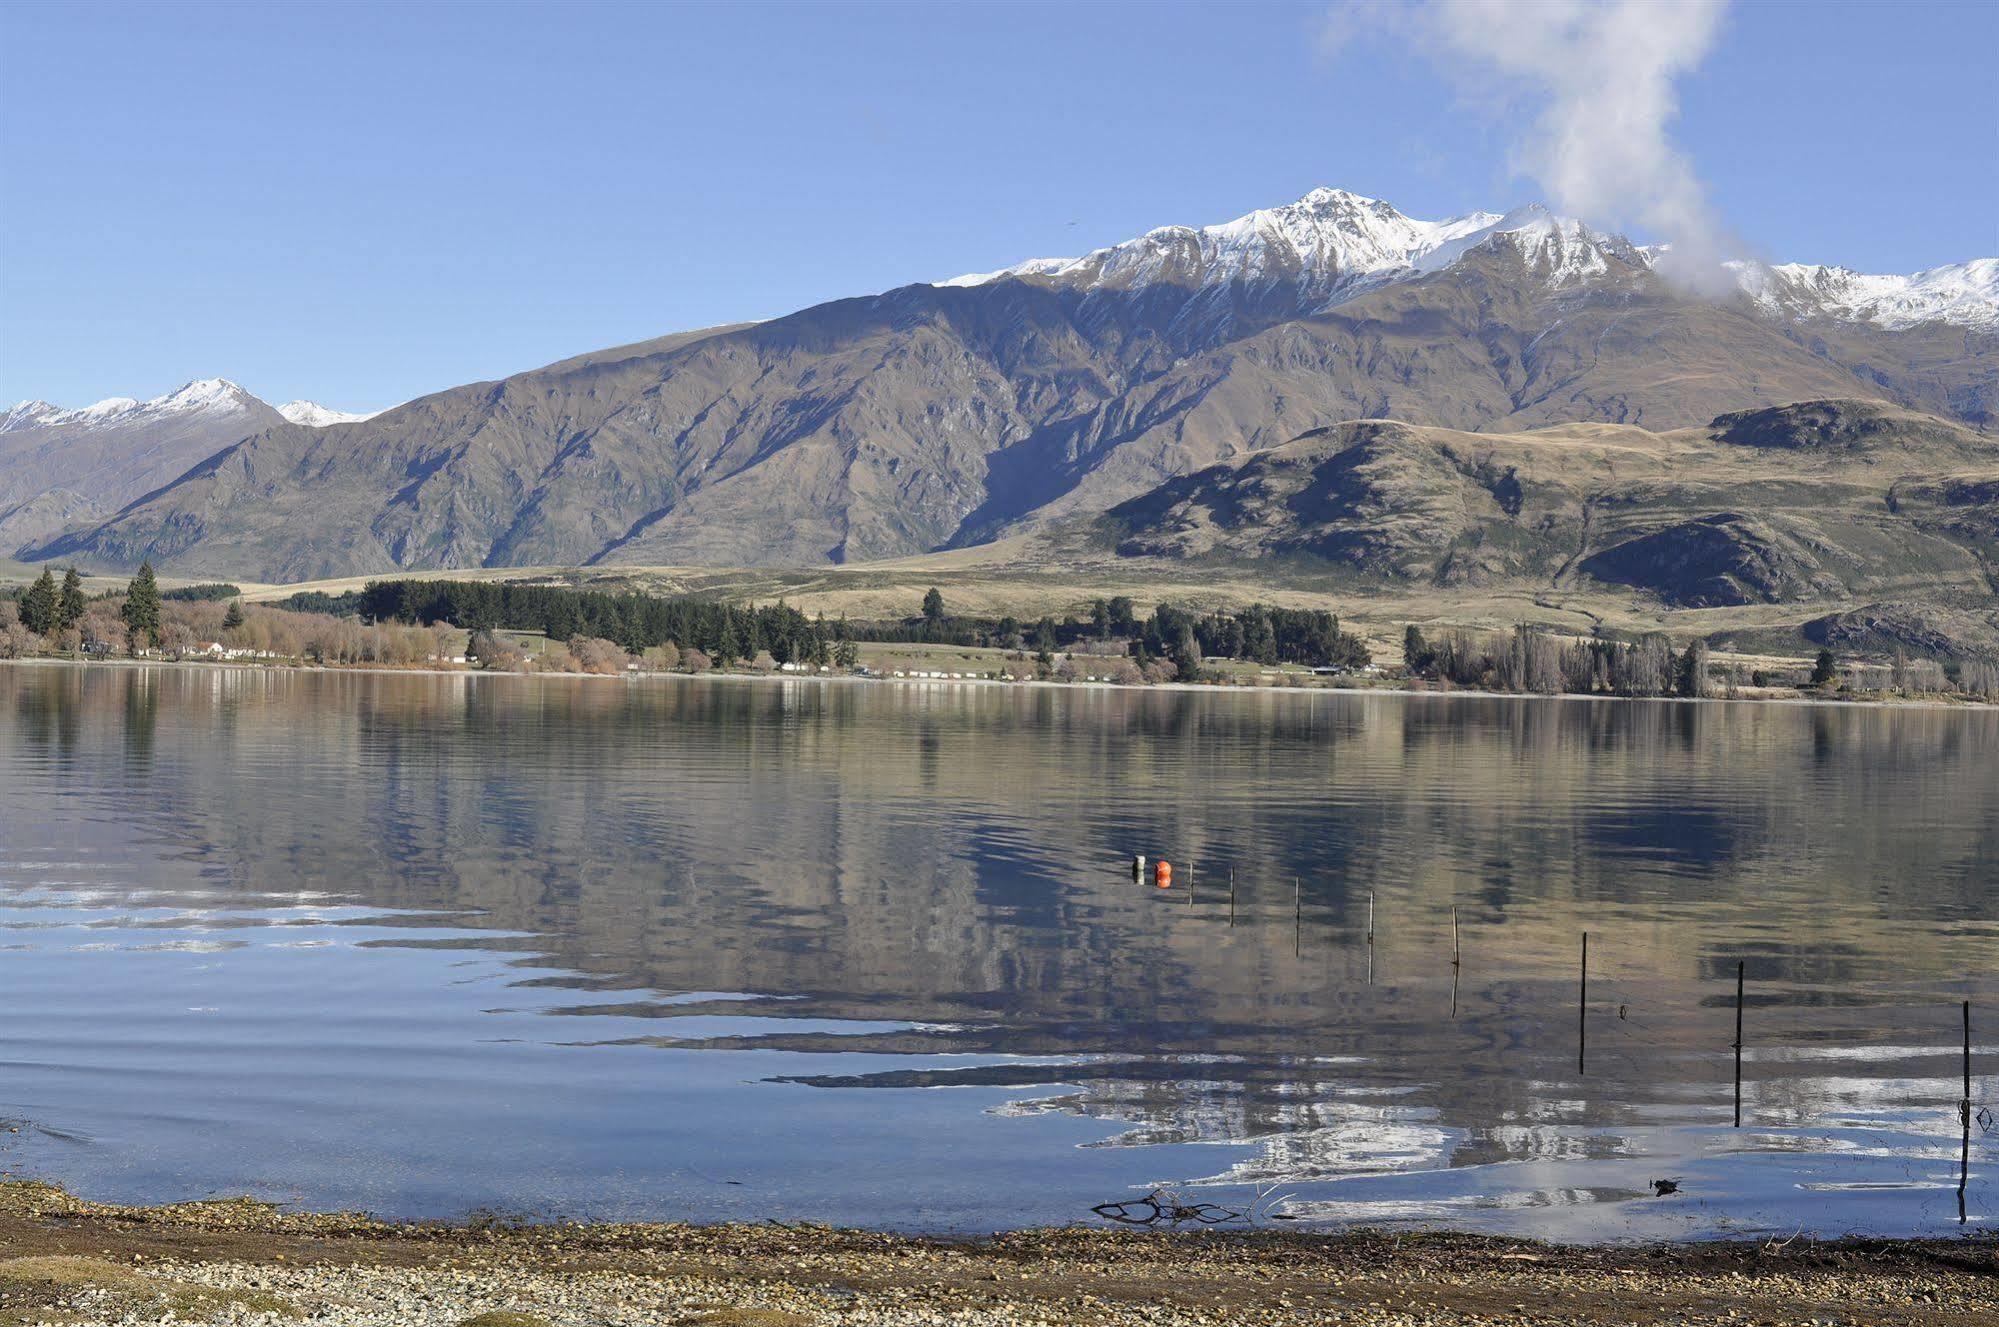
142,608
39,606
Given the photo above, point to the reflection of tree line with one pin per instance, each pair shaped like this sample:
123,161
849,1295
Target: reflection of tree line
940,852
953,855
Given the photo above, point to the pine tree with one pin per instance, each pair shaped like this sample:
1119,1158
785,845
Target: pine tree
40,608
730,647
933,606
71,604
142,608
1693,671
1416,652
234,617
1186,656
1824,671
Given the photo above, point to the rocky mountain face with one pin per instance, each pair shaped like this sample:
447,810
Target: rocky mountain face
1836,501
942,415
60,469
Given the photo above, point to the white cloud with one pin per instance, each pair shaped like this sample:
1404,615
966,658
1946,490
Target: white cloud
1594,84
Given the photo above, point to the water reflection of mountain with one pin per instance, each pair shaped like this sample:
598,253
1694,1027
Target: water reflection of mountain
954,856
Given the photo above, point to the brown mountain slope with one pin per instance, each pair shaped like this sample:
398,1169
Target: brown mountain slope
62,468
934,416
1481,347
1830,500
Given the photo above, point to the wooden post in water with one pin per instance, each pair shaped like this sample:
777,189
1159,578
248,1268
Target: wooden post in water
1231,896
1370,937
1297,916
1582,1011
1964,1121
1457,962
1741,967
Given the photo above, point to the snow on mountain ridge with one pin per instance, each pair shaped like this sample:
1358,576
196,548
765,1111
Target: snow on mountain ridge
1348,244
1963,293
201,395
1329,235
314,415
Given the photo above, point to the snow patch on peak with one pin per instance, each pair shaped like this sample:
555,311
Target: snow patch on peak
1341,241
313,415
25,413
1340,244
202,394
1032,267
110,405
215,396
1966,294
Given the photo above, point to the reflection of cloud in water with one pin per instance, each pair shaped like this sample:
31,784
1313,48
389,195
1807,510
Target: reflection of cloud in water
1438,1209
936,885
1891,1104
1875,1053
164,947
1354,1147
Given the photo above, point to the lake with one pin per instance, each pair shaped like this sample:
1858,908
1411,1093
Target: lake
874,954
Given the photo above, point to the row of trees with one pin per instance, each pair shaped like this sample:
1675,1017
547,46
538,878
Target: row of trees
46,610
400,623
1527,660
727,633
52,612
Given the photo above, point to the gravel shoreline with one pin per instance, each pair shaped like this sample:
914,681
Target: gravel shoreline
66,1260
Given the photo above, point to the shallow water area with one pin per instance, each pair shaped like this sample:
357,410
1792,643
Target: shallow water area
673,949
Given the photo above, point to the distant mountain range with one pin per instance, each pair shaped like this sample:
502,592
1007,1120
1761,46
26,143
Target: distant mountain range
937,416
64,468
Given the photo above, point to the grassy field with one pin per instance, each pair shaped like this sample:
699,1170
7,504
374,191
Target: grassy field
1016,578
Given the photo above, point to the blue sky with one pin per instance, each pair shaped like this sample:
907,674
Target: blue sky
358,204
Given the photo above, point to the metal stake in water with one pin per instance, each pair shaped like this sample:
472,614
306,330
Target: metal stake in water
1457,962
1964,1120
1740,968
1370,937
1582,1011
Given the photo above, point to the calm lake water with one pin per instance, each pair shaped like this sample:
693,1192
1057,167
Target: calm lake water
874,954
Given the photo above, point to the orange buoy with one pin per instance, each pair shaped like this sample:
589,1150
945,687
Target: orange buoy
1162,875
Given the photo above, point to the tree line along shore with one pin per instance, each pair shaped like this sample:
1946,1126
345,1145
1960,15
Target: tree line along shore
517,627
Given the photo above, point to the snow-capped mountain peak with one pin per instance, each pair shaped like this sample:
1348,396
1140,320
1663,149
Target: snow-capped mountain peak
1340,244
204,395
1328,237
217,397
314,415
26,413
1962,293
